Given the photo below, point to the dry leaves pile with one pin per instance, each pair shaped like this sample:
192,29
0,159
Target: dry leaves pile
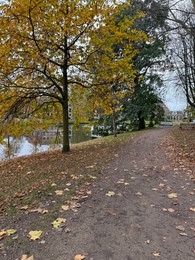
180,148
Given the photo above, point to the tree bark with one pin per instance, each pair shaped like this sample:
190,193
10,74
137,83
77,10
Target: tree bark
141,123
65,142
114,122
193,2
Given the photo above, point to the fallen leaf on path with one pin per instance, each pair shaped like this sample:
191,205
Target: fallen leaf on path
183,234
59,192
164,209
2,234
56,223
138,193
172,195
34,235
90,166
25,257
192,209
93,177
155,189
67,230
181,228
110,193
161,185
156,254
38,210
65,207
79,257
111,213
170,210
10,232
24,207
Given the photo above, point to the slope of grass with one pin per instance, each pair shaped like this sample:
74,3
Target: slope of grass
28,180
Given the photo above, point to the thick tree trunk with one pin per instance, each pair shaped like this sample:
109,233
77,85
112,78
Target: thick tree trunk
141,122
65,141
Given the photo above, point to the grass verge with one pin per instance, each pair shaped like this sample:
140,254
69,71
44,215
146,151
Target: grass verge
28,180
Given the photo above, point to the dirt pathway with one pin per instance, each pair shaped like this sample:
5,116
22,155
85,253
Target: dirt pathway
129,215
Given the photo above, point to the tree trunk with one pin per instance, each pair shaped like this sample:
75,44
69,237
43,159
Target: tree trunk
65,143
141,122
151,124
65,131
193,2
114,122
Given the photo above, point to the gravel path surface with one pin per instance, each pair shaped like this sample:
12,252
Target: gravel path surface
129,215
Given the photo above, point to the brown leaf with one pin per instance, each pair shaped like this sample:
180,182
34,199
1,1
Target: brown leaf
24,207
79,257
181,228
65,207
59,192
2,234
171,210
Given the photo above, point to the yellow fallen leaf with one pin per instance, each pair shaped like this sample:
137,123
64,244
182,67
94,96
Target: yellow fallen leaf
10,232
56,223
59,192
25,257
64,207
156,254
110,193
79,257
172,195
34,235
53,185
192,209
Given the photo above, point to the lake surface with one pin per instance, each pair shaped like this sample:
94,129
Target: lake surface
41,140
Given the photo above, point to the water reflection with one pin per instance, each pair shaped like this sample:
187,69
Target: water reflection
42,140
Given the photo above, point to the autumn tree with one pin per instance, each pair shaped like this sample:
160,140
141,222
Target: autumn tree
183,55
114,72
46,53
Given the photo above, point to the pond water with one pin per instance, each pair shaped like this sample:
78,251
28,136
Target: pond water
41,140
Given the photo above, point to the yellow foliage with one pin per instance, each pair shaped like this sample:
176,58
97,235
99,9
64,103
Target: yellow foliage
42,41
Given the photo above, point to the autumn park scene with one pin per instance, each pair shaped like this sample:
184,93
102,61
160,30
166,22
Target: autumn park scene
97,129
